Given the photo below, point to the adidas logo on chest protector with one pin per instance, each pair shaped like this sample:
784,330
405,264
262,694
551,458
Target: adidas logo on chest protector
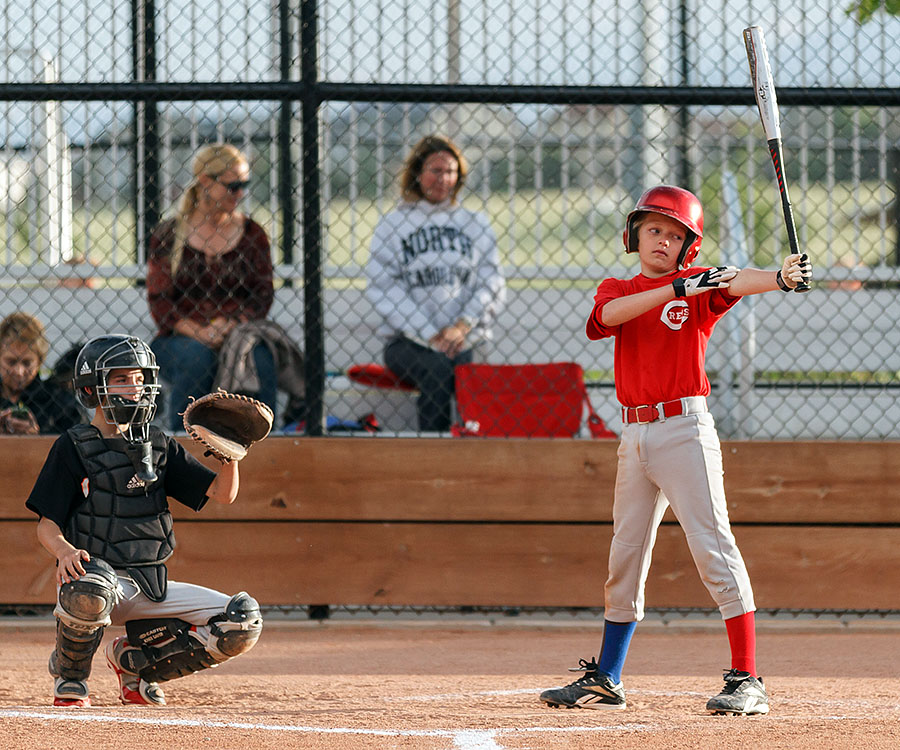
134,483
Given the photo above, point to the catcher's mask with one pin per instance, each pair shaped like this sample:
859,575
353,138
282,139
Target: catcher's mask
121,405
676,203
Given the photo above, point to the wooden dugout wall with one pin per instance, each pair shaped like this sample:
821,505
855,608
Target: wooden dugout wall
519,523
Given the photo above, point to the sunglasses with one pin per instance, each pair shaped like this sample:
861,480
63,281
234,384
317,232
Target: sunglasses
233,187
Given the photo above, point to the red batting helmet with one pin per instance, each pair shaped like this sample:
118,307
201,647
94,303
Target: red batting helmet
677,203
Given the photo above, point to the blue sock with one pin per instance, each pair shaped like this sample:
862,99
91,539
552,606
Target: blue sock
616,639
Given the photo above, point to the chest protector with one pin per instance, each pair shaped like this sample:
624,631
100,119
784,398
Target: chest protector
123,520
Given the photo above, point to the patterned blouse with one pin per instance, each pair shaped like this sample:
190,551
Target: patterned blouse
237,284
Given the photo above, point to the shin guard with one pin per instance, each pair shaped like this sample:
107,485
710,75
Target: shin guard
82,612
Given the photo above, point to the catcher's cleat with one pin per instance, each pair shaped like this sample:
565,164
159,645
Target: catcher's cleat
70,693
743,694
132,689
593,690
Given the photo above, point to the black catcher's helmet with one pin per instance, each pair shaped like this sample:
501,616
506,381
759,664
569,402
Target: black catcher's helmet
92,367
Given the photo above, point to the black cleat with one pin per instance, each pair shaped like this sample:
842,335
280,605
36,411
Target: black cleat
742,695
593,690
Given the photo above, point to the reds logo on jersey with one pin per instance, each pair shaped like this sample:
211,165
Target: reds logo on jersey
675,314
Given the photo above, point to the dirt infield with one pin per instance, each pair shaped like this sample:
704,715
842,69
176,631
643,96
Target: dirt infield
464,685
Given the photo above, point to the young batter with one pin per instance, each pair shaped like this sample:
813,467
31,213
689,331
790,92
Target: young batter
669,452
102,501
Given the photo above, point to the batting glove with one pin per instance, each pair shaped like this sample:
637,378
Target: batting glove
713,278
795,269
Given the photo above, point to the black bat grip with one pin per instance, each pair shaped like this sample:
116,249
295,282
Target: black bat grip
775,151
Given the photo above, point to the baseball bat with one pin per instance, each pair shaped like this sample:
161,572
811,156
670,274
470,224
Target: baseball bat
766,100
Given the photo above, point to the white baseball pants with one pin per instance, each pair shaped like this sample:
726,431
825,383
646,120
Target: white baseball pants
675,461
186,601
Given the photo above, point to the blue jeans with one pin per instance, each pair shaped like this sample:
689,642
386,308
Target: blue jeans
432,373
189,369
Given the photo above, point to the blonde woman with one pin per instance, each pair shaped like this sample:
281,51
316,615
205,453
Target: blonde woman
209,268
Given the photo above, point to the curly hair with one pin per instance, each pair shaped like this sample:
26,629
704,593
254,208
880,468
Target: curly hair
25,329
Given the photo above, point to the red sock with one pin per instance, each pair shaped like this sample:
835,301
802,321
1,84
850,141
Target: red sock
742,639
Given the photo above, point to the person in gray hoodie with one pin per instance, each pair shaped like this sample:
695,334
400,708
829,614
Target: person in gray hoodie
434,277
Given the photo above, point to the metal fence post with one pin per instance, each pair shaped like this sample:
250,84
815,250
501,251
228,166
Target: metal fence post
147,207
313,317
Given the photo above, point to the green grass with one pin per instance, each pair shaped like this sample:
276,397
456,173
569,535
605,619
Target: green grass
550,229
857,377
788,377
111,237
828,222
553,230
547,229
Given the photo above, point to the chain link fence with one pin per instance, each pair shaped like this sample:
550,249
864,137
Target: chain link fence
564,111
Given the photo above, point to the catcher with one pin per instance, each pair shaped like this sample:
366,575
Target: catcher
102,501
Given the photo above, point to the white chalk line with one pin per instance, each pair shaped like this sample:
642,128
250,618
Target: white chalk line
830,707
461,696
464,739
82,715
523,691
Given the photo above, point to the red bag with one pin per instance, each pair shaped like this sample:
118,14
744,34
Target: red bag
529,400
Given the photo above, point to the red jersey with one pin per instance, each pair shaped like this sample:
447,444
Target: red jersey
660,355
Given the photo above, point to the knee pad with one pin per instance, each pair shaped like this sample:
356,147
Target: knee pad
237,629
86,604
164,649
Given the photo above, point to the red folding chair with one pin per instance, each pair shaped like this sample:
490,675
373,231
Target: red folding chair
378,376
525,400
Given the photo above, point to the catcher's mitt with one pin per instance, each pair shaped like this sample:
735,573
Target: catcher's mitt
227,424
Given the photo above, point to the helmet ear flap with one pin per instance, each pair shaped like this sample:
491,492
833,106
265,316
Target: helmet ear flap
87,397
630,235
689,250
